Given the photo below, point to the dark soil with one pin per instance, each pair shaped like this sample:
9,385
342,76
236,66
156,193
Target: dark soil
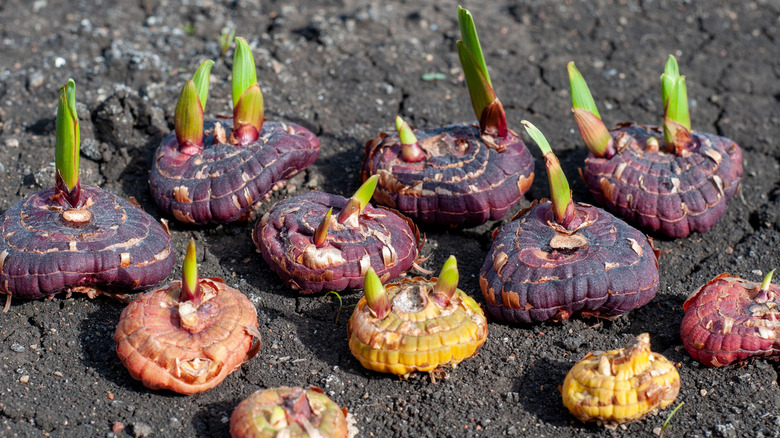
344,69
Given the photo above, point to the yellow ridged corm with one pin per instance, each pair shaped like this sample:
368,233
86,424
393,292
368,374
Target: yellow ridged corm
418,333
619,386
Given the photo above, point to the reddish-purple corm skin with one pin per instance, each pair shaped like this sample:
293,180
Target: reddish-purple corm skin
536,271
384,240
121,248
465,180
661,192
222,182
731,320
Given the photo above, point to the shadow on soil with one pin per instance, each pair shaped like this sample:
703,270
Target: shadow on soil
94,332
210,420
538,391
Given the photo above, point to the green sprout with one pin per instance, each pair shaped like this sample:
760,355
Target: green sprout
669,78
201,80
580,93
247,97
321,233
225,38
188,120
341,304
767,280
67,143
447,284
188,28
376,295
586,114
674,95
190,290
487,107
358,202
668,419
410,148
188,117
563,206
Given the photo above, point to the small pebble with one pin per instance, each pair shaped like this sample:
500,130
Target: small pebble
141,430
24,379
117,428
35,81
17,347
11,143
572,343
703,392
174,423
59,62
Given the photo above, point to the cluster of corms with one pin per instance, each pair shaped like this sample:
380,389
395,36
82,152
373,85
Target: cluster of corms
555,259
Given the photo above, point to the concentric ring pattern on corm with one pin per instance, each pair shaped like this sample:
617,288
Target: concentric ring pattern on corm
118,245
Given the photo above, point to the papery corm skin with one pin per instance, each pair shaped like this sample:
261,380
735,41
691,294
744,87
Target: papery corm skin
537,271
418,334
619,386
384,240
465,180
222,182
661,192
288,412
110,246
731,320
188,354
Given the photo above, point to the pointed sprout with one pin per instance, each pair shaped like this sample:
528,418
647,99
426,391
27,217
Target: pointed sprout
67,143
410,148
480,90
376,296
188,120
592,129
594,133
677,106
580,93
563,206
447,284
674,96
248,108
468,33
668,78
487,107
248,116
225,37
190,290
244,72
677,120
321,233
404,131
201,80
358,202
767,280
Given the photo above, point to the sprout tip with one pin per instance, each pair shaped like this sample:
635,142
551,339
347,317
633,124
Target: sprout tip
447,284
358,202
67,144
376,296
